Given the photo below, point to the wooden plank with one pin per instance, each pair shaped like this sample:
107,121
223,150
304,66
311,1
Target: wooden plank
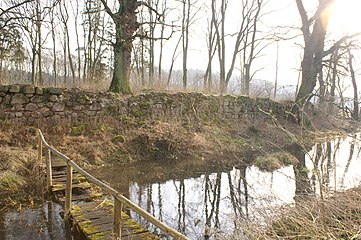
76,179
62,172
61,187
83,197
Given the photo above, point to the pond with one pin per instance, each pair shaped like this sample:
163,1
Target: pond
200,200
41,221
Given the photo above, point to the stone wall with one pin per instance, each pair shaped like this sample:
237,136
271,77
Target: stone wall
31,103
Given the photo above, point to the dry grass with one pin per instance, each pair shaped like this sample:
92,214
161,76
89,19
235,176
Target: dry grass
16,164
305,220
274,161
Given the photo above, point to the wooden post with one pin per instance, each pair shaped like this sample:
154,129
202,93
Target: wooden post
117,224
49,179
68,189
40,148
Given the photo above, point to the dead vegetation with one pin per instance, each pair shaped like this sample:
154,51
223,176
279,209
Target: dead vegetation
304,220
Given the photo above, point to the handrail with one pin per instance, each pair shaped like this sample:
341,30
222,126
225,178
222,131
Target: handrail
119,199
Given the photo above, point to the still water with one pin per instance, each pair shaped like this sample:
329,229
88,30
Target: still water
203,199
41,221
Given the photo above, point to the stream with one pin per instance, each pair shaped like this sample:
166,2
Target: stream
200,200
203,200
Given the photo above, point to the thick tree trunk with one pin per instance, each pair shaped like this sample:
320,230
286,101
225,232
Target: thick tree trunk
313,53
122,59
125,20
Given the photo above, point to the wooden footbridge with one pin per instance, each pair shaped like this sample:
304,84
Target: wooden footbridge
92,207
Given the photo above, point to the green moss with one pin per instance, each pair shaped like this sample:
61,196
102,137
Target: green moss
10,181
78,130
104,127
101,235
137,112
275,161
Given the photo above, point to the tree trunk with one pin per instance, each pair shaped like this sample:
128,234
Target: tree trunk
122,59
354,84
313,50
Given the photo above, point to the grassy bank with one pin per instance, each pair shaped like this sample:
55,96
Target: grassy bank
118,139
336,217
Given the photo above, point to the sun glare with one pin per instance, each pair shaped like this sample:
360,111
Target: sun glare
346,16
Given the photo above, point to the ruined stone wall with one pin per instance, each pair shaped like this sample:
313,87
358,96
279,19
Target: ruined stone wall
32,103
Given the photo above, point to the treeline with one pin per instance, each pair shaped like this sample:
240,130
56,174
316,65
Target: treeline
127,46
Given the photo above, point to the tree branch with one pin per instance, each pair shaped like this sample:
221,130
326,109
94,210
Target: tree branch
339,42
107,9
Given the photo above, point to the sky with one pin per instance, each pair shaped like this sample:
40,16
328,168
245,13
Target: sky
345,19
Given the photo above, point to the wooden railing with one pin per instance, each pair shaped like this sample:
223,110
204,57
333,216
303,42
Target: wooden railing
119,199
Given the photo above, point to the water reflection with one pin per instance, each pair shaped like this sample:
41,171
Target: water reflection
198,200
338,163
41,222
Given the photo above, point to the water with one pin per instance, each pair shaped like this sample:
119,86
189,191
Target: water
201,199
42,221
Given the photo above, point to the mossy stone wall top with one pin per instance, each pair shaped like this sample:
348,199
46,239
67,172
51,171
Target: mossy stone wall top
31,103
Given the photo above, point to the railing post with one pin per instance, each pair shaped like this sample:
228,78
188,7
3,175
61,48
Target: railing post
49,179
117,224
68,189
40,147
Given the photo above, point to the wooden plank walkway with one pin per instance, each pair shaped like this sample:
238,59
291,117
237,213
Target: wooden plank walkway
92,213
87,207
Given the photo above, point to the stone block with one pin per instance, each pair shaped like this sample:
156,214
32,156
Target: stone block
49,104
2,94
10,115
19,98
58,107
78,108
54,91
36,114
95,107
31,107
18,107
4,88
43,109
53,98
29,90
27,114
14,89
47,114
37,99
39,91
19,114
68,104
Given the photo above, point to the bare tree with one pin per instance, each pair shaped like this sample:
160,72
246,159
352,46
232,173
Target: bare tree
356,109
314,30
245,42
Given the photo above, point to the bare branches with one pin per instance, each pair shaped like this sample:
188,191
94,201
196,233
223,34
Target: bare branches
339,42
9,9
305,21
107,9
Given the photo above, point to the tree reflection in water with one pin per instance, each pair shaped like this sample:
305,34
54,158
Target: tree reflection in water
200,200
